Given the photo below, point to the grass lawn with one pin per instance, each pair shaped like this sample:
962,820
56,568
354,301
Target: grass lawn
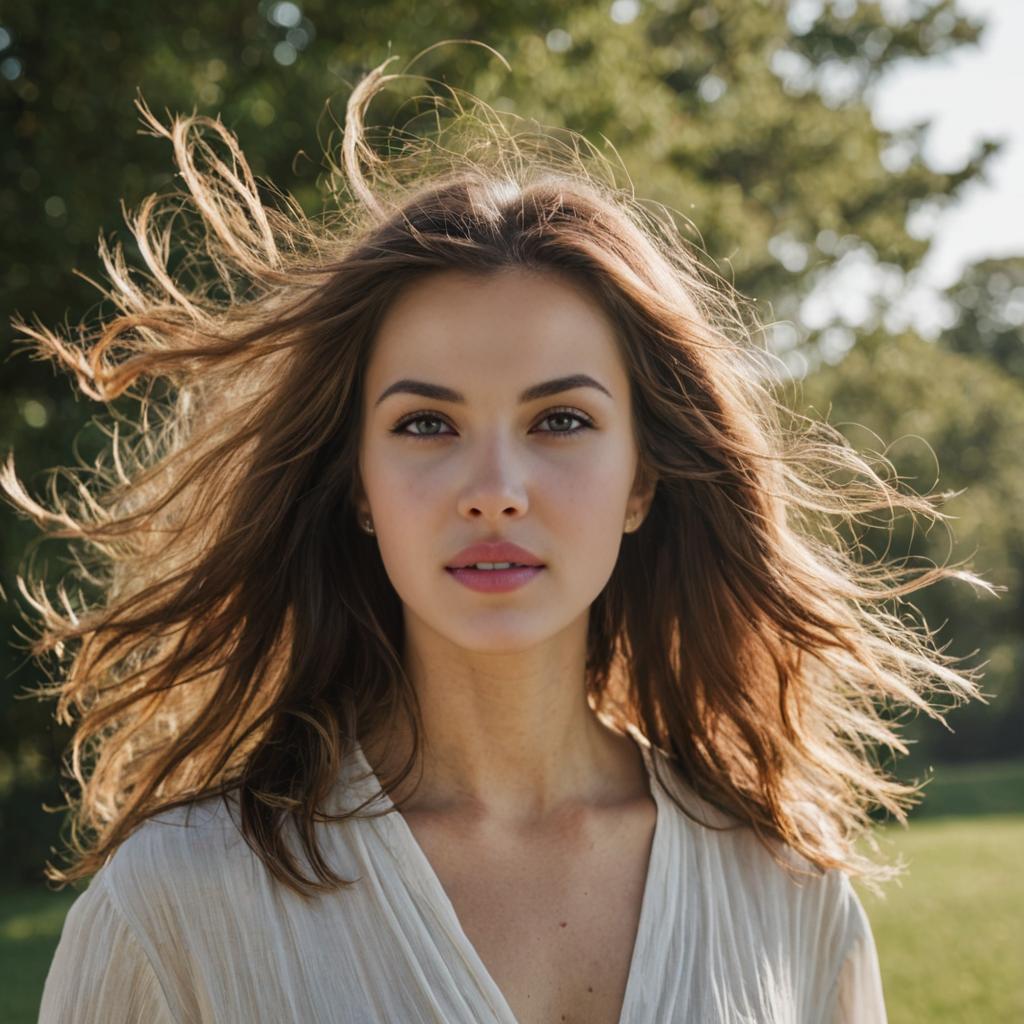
950,932
30,922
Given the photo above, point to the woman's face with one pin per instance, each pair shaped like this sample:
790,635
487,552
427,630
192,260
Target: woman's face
551,473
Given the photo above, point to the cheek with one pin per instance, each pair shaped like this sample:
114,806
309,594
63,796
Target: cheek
411,489
412,502
394,476
596,479
571,495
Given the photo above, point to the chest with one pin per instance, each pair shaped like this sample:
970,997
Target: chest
553,918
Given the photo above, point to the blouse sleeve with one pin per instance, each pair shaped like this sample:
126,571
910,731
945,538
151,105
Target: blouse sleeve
100,974
858,993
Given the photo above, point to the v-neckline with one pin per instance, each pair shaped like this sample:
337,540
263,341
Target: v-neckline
409,847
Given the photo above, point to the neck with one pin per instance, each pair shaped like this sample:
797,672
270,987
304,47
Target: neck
509,738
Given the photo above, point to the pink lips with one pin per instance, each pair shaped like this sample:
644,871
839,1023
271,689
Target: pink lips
494,551
495,580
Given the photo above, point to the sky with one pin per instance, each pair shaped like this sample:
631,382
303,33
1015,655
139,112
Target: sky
967,95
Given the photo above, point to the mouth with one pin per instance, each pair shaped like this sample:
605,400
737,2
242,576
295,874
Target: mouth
495,566
500,577
494,556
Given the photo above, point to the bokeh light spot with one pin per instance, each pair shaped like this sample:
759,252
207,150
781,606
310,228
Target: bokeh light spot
34,413
262,112
558,40
285,14
285,53
625,11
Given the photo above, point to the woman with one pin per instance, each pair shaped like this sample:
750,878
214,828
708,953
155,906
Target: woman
470,576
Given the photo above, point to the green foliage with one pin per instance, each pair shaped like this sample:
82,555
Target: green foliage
947,422
974,790
726,111
988,302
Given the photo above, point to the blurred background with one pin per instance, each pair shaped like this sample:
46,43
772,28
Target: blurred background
855,166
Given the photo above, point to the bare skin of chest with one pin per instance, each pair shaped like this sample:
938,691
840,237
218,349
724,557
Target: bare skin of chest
553,915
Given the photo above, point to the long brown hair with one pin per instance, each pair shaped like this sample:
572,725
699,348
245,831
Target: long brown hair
246,634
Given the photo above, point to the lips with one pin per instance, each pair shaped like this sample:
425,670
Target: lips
493,551
496,581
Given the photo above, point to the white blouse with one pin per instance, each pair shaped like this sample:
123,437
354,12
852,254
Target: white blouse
185,924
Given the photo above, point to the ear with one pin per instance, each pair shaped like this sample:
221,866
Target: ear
359,501
645,483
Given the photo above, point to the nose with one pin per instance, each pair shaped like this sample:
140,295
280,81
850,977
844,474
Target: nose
495,487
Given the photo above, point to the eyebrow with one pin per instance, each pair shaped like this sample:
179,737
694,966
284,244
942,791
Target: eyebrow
440,393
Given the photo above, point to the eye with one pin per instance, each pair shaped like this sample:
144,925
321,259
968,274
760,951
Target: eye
418,417
422,417
568,414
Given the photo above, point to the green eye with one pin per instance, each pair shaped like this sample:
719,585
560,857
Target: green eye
430,417
419,418
569,414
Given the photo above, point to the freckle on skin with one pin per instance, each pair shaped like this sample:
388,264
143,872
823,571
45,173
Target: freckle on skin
563,924
589,989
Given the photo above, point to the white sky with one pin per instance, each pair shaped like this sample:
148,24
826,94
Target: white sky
968,95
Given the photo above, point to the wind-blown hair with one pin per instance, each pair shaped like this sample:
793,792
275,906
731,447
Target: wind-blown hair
243,634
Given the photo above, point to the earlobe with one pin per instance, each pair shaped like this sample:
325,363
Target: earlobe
644,486
636,516
363,515
637,512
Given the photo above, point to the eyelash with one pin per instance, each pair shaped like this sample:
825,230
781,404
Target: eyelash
399,428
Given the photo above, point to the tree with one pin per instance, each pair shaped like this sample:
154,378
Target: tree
988,304
953,423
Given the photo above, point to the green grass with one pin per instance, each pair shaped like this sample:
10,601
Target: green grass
30,923
950,932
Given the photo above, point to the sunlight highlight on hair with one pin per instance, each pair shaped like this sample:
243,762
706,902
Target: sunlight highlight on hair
228,629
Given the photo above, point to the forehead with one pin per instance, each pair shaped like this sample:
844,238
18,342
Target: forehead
513,325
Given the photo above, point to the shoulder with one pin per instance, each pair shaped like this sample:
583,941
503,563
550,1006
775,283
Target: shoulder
189,854
772,915
190,861
179,838
742,875
103,965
